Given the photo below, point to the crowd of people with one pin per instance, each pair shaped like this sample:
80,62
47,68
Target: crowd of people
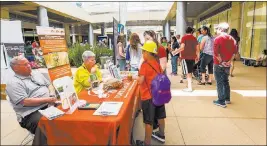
30,92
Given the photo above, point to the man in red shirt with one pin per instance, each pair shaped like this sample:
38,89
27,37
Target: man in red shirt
189,54
224,50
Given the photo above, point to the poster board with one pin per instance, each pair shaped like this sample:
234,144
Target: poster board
12,43
54,48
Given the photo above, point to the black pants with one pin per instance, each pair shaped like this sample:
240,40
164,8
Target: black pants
30,123
206,60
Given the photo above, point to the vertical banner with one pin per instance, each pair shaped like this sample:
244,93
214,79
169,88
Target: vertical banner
115,37
53,45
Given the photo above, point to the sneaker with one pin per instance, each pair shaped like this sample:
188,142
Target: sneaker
187,90
158,137
216,102
140,143
227,102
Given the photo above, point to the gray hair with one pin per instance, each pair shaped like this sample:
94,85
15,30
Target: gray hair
87,54
15,60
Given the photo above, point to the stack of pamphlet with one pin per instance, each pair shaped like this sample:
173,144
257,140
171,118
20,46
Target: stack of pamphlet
51,112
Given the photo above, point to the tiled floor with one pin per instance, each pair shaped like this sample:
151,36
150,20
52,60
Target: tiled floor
192,119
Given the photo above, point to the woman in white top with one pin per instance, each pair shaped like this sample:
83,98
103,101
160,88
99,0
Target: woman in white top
135,52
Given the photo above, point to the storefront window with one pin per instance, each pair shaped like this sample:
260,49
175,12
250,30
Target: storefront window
223,17
214,22
229,17
259,28
247,24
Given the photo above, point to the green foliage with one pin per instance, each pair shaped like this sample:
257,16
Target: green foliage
75,53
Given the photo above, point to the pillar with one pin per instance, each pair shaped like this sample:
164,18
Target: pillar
73,34
167,30
80,38
103,29
236,14
181,18
122,15
67,33
4,13
91,35
195,24
42,17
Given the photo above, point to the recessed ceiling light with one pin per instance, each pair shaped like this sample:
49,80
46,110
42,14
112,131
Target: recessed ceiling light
188,3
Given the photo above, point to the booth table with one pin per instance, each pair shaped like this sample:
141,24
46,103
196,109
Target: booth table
83,128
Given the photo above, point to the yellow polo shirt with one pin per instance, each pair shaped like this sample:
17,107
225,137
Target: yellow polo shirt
81,78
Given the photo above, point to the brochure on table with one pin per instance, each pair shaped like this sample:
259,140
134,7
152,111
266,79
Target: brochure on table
108,109
54,48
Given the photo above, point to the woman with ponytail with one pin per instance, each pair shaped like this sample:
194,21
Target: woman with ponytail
206,46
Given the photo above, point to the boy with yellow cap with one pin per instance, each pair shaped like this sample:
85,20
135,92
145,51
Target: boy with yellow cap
147,73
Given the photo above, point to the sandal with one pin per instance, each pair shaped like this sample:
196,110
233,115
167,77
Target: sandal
201,83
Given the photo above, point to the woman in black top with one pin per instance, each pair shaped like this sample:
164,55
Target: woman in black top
174,46
234,34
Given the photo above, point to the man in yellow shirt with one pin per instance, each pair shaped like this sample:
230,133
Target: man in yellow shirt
82,78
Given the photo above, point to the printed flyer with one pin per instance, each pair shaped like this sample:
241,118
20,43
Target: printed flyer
53,45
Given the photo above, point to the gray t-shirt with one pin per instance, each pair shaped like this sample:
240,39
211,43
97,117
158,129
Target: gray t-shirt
21,87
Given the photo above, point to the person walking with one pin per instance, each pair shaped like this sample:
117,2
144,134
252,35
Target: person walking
224,49
189,54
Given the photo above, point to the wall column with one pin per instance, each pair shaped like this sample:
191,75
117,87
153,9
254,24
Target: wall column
42,16
181,18
67,33
236,15
4,13
167,32
91,35
73,34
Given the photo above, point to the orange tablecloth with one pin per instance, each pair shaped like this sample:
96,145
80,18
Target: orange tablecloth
83,128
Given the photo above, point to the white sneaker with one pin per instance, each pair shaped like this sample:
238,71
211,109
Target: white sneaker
187,90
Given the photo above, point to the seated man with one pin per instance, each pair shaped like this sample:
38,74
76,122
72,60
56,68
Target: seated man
28,92
261,60
82,79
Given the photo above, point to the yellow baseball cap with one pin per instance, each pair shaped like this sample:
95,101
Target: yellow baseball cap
150,46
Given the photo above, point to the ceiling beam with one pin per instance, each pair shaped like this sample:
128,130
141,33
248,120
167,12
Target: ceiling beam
54,11
172,12
21,7
34,16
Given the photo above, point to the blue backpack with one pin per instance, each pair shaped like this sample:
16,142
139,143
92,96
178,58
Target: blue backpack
160,88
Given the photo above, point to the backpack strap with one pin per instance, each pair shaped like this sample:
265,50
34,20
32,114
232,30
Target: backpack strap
156,72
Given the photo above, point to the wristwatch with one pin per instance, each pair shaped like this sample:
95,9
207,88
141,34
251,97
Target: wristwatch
52,95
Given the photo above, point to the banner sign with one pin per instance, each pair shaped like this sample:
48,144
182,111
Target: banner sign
53,45
115,37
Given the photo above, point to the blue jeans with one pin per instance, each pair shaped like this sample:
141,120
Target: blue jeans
174,64
122,64
223,88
